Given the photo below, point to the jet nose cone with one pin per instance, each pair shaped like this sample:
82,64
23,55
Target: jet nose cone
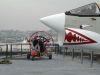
56,22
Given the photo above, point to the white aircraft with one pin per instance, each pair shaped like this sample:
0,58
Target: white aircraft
88,15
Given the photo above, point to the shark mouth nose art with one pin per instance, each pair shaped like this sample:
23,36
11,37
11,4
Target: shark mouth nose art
74,38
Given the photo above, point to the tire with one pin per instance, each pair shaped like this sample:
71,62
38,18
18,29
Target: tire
28,55
32,58
50,56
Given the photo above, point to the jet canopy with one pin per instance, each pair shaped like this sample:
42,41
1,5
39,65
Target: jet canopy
92,9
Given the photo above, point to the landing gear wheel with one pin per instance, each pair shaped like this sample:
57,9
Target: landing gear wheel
32,58
28,55
50,56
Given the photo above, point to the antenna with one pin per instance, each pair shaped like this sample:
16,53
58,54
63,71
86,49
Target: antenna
84,26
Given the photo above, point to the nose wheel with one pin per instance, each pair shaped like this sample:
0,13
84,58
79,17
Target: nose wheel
28,55
50,56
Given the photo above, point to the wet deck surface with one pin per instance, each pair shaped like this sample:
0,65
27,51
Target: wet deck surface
59,65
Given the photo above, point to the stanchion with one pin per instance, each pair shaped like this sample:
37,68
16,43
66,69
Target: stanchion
91,58
6,50
81,56
11,51
21,49
73,54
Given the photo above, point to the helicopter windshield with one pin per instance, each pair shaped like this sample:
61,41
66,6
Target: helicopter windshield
90,9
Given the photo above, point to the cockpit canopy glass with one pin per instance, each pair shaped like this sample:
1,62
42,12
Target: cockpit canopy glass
90,9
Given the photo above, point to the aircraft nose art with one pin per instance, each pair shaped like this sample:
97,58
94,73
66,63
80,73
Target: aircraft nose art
73,37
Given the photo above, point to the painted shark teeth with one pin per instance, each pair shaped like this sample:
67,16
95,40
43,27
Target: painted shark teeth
73,37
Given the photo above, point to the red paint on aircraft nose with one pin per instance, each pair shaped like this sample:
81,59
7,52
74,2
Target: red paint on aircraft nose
74,38
71,38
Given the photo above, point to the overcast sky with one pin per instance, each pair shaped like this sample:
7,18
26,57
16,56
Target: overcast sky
25,14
